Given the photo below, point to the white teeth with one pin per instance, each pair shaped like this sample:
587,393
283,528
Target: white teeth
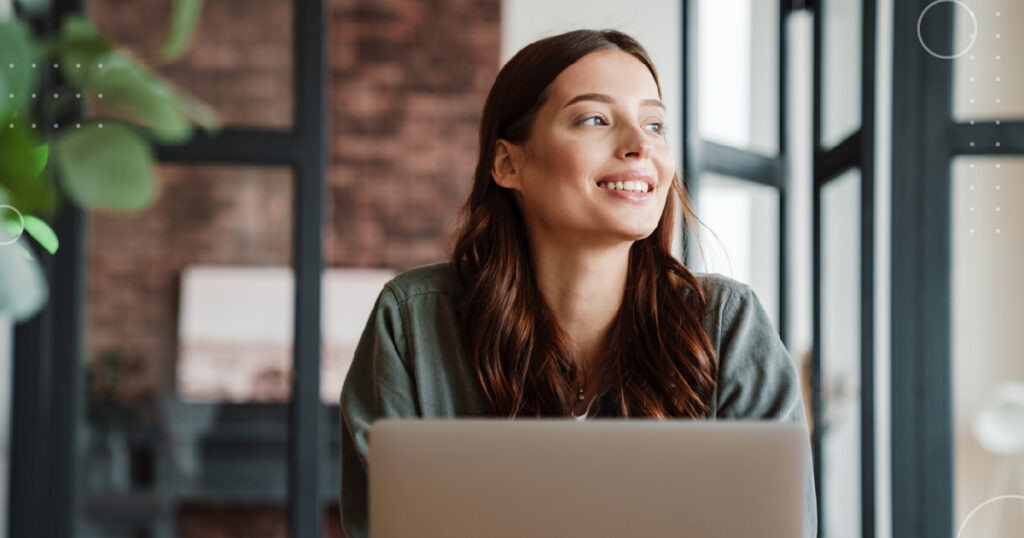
632,186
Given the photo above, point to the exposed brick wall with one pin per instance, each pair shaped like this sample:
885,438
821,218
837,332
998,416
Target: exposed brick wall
407,82
408,79
240,60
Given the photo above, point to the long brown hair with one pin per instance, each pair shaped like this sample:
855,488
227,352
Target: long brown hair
660,358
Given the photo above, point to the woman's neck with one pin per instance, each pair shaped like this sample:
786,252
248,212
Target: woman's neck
584,290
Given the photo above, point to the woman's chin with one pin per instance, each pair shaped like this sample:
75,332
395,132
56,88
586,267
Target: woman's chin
611,236
642,230
636,234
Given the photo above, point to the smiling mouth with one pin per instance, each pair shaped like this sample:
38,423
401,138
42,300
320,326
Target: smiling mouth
630,180
629,186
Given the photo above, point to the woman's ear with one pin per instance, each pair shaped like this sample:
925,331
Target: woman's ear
505,169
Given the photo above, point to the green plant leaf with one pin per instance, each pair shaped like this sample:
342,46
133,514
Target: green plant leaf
17,160
18,170
41,155
198,111
183,25
42,233
17,48
108,166
139,97
78,46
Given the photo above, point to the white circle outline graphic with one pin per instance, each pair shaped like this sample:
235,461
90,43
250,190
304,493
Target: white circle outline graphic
974,36
12,208
982,505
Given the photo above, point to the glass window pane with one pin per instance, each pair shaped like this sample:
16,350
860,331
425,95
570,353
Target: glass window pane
737,81
840,355
239,61
740,235
841,70
988,83
988,373
188,322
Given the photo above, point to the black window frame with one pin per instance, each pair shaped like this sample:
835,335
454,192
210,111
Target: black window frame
926,139
856,152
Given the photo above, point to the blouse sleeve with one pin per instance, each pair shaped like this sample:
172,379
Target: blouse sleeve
758,378
379,384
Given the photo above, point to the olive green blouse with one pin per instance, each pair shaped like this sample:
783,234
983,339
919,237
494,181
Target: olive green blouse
410,362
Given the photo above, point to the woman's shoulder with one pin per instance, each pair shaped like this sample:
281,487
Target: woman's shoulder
721,292
433,278
732,311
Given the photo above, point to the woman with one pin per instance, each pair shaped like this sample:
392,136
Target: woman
562,296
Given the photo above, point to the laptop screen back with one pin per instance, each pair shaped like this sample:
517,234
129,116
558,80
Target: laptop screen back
500,478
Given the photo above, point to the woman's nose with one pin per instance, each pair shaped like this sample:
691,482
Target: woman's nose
635,143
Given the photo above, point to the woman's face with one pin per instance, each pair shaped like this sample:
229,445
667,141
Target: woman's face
596,168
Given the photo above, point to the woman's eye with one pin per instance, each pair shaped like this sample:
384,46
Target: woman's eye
593,120
657,127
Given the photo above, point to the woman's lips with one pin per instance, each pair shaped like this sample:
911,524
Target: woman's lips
629,195
632,175
633,182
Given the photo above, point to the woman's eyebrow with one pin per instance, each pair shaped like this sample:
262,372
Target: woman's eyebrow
602,98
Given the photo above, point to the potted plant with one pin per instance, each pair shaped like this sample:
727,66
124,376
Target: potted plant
102,158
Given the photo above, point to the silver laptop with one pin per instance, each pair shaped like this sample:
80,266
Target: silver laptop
496,478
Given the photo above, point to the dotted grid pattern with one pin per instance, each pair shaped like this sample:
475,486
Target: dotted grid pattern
997,79
56,95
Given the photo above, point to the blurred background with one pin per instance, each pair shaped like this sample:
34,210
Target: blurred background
857,162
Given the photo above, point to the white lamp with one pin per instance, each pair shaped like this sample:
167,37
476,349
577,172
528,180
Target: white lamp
999,429
999,426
